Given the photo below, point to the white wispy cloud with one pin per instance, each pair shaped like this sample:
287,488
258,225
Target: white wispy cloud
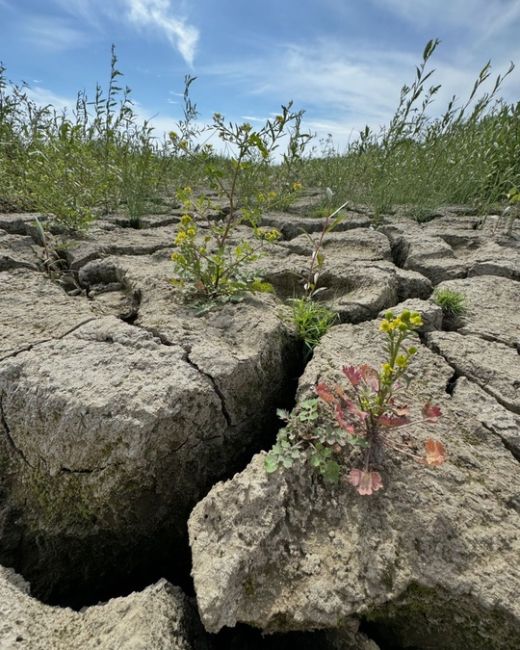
45,97
158,14
484,17
52,34
344,87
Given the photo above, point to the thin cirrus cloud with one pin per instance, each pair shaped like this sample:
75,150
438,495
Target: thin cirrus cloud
158,15
52,34
152,15
485,18
342,86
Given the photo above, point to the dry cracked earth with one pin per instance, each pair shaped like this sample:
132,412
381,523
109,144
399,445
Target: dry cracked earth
133,432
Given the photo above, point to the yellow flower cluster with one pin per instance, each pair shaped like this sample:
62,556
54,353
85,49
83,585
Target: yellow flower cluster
296,186
268,235
185,235
406,321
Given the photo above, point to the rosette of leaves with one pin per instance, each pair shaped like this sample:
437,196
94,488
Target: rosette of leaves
355,421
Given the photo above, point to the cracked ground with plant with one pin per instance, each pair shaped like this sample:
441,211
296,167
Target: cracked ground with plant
239,412
122,407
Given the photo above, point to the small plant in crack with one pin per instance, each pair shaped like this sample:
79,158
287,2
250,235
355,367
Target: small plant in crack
214,264
311,318
452,303
53,261
343,431
211,265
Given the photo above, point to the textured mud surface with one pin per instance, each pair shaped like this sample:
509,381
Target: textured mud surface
120,408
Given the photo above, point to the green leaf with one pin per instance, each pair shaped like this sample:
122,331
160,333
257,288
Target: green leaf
270,463
331,471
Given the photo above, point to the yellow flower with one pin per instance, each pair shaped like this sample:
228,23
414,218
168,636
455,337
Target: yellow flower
416,320
385,326
387,371
180,238
296,186
186,219
401,361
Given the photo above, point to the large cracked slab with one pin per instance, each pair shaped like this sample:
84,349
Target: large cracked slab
431,559
291,225
490,304
34,309
416,250
17,251
158,618
233,345
102,242
498,257
358,274
20,223
112,433
493,366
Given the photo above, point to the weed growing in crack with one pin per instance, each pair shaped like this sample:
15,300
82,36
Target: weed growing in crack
352,423
214,264
53,259
312,319
452,303
211,266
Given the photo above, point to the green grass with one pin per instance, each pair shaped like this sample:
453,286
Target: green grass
312,320
452,303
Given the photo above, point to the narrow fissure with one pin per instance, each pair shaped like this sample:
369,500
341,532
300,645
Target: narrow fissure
451,383
243,637
514,451
216,387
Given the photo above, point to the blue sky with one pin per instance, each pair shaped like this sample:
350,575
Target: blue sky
343,61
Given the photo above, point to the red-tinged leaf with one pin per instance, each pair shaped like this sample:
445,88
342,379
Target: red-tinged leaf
342,421
366,483
435,452
340,392
431,411
392,420
370,377
324,393
354,409
353,374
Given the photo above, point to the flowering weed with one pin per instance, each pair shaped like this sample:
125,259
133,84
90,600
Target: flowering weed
354,422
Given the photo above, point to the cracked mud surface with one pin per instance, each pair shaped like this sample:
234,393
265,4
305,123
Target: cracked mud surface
119,409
